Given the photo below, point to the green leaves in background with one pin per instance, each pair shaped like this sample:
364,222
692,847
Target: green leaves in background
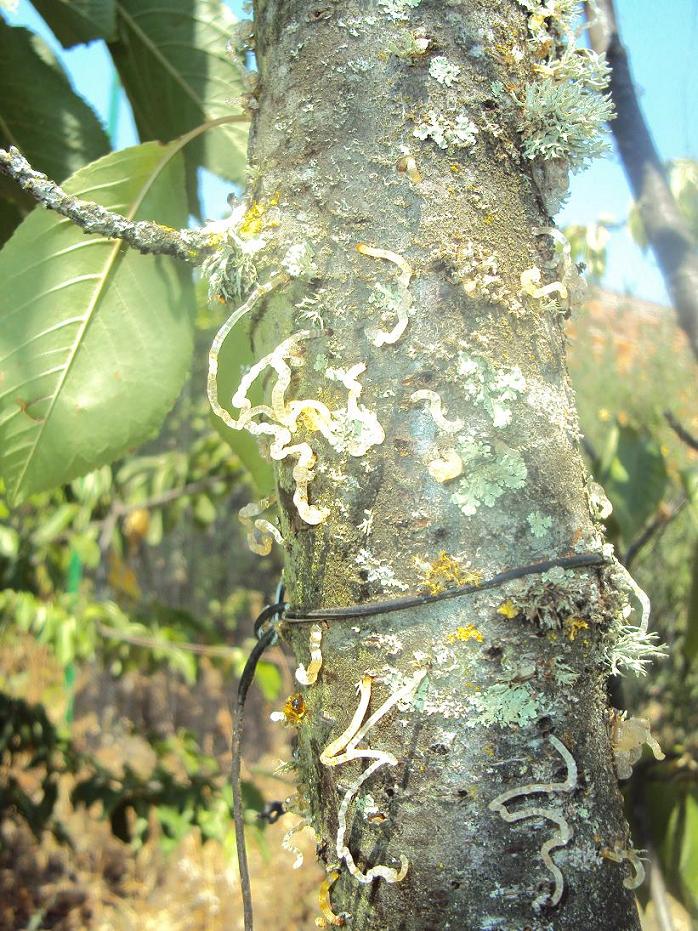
75,21
172,62
690,646
634,476
95,341
40,113
235,357
672,809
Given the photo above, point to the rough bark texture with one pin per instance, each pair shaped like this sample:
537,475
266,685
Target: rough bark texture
335,105
665,227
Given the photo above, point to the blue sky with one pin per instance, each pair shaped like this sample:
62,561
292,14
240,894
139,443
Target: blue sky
661,38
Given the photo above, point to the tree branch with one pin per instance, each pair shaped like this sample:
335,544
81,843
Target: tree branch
659,522
682,433
121,509
150,643
192,246
666,230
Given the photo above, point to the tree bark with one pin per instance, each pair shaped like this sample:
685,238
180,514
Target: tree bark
667,232
337,110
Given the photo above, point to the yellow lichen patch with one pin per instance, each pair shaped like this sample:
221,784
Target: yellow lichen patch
508,609
295,709
574,625
463,634
253,222
446,572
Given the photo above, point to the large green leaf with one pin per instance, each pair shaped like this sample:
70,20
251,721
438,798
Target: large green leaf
634,477
234,358
173,64
95,340
75,21
40,113
672,812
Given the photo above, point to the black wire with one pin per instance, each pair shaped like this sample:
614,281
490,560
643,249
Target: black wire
266,638
269,612
297,616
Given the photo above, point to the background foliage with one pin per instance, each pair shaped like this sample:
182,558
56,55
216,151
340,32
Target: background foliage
126,589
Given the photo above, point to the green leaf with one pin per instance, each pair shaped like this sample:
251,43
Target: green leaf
690,646
75,21
40,113
172,62
634,477
269,680
235,357
87,549
636,227
59,520
683,178
204,510
95,340
672,811
9,542
688,858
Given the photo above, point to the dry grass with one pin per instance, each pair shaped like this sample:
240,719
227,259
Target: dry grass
102,884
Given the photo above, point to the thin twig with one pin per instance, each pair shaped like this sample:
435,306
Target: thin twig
120,509
201,649
681,431
192,246
660,522
158,501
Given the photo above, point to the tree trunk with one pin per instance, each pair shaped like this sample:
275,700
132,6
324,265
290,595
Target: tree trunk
514,689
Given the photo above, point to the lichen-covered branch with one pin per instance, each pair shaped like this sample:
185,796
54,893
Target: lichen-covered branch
665,227
193,246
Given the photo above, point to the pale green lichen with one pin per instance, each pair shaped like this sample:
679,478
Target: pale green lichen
443,71
298,261
564,112
489,473
378,572
492,388
231,270
630,647
563,673
505,704
539,523
563,121
460,133
478,272
399,9
409,45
